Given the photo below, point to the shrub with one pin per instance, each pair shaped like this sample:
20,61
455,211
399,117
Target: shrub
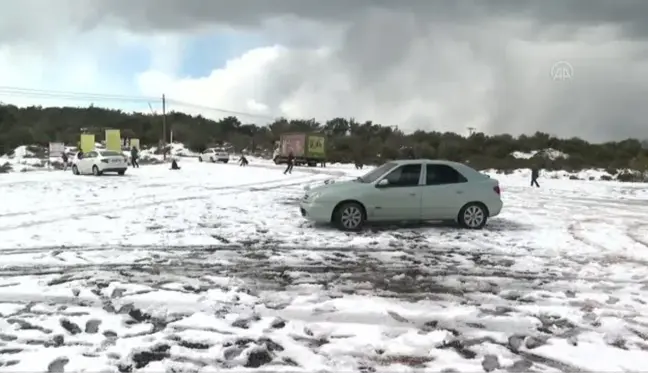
5,168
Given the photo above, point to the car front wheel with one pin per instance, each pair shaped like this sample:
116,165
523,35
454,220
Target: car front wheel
349,216
473,216
95,171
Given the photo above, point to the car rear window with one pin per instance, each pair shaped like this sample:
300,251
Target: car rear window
110,153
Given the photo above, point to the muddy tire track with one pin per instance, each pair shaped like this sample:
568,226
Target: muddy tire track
355,270
252,187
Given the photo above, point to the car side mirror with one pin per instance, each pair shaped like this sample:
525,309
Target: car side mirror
382,183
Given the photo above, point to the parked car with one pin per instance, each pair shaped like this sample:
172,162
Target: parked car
214,155
407,190
97,162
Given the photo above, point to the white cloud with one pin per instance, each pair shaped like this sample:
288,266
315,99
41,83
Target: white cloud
428,67
237,86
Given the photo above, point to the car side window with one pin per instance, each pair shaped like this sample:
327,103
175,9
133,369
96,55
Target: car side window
91,155
440,174
404,176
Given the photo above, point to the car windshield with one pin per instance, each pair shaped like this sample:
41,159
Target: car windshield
374,174
109,153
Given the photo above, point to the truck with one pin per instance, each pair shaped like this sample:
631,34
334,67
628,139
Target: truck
307,148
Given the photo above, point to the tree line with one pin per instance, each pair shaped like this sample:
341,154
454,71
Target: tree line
348,140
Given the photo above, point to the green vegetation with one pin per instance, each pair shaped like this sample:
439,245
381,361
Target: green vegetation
348,140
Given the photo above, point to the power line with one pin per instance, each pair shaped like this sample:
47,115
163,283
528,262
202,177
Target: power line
224,111
70,95
38,93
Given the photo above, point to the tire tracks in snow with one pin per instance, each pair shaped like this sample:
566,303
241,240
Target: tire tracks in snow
633,233
345,271
576,231
274,248
146,196
226,190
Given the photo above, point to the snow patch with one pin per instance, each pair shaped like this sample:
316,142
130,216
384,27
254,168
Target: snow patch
548,153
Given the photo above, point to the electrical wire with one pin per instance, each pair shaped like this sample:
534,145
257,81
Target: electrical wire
103,97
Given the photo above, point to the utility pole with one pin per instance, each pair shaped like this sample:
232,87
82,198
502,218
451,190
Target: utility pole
164,119
471,131
164,127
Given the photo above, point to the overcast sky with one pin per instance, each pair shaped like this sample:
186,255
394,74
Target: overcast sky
420,64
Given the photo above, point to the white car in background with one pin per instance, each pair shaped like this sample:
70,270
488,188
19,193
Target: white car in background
407,190
97,162
214,155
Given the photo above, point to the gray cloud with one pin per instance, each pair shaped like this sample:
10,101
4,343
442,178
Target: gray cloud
432,64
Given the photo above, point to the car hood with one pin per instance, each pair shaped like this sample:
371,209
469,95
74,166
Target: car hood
334,186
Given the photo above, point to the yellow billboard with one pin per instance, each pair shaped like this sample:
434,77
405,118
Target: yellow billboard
113,140
87,142
134,143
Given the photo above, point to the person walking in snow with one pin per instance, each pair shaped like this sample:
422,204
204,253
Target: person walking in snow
134,156
291,163
174,164
243,161
535,173
65,159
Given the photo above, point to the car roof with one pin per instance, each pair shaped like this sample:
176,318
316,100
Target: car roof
427,161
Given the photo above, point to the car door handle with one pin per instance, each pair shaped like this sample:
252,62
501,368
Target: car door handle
413,194
460,192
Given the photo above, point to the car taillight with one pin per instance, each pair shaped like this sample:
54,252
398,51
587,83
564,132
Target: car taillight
497,190
104,161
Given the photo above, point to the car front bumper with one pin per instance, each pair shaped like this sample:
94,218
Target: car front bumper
317,212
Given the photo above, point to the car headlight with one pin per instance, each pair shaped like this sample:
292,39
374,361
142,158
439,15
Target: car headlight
311,197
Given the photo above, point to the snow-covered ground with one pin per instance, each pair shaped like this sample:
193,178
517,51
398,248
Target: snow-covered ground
211,268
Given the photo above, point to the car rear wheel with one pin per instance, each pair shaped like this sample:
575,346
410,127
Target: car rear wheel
95,171
473,216
121,173
349,216
225,160
75,170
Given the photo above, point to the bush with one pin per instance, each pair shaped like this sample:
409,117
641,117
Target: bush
5,168
627,177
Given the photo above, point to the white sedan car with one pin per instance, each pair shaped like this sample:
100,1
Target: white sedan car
214,155
407,190
97,162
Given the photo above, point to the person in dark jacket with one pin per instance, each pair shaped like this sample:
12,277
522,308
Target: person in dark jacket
244,162
174,164
64,156
535,173
291,163
134,156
